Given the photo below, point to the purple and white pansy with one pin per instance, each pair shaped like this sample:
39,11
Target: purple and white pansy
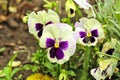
37,21
59,40
89,31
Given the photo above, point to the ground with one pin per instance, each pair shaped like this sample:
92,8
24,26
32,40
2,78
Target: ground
14,35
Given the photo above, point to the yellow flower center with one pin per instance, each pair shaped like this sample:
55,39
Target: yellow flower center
56,44
88,34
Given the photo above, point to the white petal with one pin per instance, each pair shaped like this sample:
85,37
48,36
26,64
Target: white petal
92,23
53,30
79,26
76,35
52,16
58,30
65,29
101,33
42,16
71,44
83,4
96,73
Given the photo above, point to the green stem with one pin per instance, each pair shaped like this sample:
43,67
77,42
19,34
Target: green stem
86,64
60,6
59,71
112,56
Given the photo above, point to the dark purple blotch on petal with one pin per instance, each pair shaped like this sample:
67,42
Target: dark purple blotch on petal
94,33
82,34
86,40
40,33
38,26
53,52
71,11
92,39
110,51
50,22
50,42
63,45
89,39
56,52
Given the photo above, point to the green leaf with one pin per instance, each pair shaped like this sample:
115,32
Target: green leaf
2,78
118,74
37,56
7,71
15,71
71,73
52,68
49,66
31,67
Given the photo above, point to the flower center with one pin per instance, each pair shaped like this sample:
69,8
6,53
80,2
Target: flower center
56,44
89,34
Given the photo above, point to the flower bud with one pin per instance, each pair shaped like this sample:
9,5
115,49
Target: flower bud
70,8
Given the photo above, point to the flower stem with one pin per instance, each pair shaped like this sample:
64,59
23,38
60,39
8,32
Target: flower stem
86,64
60,2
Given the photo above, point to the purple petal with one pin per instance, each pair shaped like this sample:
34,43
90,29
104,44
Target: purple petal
63,45
40,33
50,22
92,39
89,39
86,40
38,26
50,42
59,53
53,52
82,34
56,52
94,33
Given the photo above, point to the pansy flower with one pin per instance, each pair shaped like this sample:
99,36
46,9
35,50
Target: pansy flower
59,40
37,21
106,69
70,8
107,64
89,31
87,7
